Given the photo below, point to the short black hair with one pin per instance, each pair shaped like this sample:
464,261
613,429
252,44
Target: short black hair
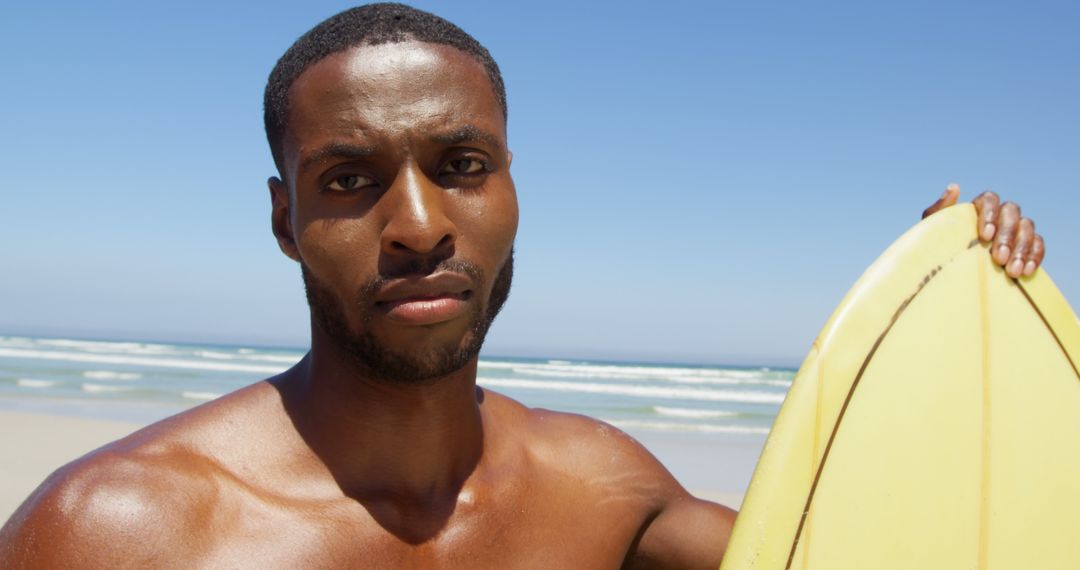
365,25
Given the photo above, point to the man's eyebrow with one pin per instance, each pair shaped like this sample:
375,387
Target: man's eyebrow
469,133
336,150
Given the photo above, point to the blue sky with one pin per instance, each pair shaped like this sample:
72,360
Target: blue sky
698,181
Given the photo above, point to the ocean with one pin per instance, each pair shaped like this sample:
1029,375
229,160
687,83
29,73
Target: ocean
146,381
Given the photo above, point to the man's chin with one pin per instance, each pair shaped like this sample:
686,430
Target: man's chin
431,352
415,367
428,355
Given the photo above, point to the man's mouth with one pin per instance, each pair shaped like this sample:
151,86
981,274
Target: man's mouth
427,300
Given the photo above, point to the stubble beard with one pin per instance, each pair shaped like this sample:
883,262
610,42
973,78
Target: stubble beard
373,358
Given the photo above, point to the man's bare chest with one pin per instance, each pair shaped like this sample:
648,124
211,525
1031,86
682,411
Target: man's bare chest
512,533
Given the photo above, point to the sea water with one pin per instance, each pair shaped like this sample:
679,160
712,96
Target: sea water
145,381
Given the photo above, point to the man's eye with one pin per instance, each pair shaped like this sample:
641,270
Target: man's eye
349,182
463,166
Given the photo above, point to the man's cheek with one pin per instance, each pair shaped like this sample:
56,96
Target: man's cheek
331,257
498,234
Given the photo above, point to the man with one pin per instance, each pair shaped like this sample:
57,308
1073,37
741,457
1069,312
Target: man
388,128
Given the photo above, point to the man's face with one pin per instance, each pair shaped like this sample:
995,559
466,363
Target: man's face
402,210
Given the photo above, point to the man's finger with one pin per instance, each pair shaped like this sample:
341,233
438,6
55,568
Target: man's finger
949,198
1035,256
1021,251
1008,223
987,205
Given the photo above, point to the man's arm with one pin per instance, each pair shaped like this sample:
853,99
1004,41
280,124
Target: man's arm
687,533
677,530
659,524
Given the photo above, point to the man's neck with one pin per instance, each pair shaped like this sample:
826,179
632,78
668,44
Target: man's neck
411,443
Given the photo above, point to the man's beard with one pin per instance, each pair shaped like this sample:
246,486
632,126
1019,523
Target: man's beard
374,359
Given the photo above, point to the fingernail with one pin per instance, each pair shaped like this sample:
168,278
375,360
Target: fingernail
1029,268
1002,254
988,232
1016,267
952,187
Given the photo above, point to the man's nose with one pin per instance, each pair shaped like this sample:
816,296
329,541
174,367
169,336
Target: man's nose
416,221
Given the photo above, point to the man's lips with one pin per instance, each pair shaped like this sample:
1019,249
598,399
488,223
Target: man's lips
425,300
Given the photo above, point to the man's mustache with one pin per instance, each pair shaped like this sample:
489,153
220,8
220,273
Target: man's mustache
422,267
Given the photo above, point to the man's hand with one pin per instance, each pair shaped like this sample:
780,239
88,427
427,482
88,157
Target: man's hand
1016,247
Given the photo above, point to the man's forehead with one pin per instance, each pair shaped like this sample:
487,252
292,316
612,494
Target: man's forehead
392,82
389,58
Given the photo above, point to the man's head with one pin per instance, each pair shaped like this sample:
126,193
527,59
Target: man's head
395,194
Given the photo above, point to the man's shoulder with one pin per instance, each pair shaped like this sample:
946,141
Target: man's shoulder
128,500
597,468
120,502
593,452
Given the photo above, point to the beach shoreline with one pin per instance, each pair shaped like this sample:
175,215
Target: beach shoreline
37,443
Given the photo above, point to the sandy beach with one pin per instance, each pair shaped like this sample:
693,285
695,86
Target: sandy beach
34,445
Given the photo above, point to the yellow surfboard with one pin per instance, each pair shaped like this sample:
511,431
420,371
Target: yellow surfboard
934,424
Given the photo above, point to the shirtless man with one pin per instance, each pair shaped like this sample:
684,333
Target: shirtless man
378,449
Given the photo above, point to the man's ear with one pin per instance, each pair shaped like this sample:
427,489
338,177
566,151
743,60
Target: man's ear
280,220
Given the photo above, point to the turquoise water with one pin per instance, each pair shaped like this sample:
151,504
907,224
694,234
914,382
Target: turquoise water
142,381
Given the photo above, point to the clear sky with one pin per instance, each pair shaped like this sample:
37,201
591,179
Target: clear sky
698,181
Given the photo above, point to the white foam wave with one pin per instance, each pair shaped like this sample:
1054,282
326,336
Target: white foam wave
99,388
287,359
140,361
89,344
248,356
200,395
213,354
716,380
33,383
101,346
687,427
688,375
626,369
110,375
665,392
692,413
